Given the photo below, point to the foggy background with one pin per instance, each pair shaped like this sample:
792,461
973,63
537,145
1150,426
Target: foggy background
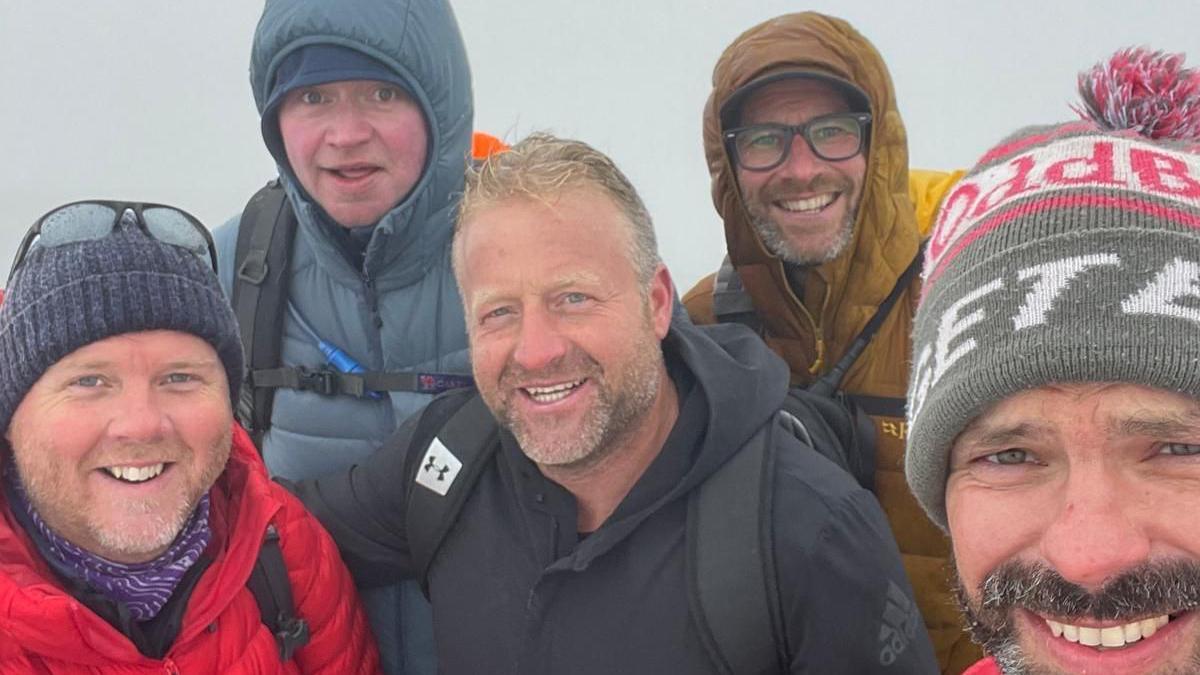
150,99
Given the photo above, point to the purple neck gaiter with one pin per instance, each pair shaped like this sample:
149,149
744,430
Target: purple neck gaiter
143,588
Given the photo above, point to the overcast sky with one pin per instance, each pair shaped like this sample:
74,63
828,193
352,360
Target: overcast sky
150,99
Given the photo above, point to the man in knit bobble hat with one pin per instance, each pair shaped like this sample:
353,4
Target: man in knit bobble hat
132,508
1054,408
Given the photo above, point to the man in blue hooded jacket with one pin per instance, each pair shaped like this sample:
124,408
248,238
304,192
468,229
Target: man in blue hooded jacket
366,108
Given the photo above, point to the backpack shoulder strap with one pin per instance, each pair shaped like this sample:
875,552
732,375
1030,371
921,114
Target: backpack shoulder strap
451,461
264,243
273,592
836,427
731,302
732,588
832,380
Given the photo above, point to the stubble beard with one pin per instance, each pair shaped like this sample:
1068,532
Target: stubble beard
773,239
614,415
772,234
157,527
1148,590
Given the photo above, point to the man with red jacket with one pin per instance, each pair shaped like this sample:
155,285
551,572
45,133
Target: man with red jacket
135,516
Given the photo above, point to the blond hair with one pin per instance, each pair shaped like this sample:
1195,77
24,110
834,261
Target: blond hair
542,166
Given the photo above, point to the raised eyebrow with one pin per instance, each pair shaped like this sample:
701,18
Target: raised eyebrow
764,126
574,279
192,364
299,92
86,366
484,298
981,436
1166,425
984,435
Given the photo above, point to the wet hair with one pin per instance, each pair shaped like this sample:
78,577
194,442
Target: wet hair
543,166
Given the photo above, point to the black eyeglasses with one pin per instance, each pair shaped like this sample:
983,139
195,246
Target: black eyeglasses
762,147
96,219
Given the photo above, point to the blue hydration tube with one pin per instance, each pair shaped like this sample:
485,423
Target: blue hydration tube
334,355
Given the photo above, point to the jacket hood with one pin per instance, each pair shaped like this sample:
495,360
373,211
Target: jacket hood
717,415
30,602
885,237
420,41
742,383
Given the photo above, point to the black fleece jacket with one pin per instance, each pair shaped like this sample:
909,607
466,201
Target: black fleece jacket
516,590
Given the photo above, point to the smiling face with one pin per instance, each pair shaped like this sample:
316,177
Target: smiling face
357,147
1071,514
804,209
117,441
565,342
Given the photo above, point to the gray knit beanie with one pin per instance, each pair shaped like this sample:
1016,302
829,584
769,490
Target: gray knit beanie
1070,253
64,297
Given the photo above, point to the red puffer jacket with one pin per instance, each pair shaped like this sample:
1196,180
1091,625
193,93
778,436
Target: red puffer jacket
44,630
984,667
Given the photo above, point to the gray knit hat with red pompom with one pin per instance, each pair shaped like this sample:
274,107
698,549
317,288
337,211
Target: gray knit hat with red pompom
67,296
1070,253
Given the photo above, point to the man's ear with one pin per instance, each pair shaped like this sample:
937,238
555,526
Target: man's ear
661,296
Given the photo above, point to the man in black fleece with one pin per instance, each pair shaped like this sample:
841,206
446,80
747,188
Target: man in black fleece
570,553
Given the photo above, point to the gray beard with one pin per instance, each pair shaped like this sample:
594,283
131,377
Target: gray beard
615,415
772,238
605,428
1153,588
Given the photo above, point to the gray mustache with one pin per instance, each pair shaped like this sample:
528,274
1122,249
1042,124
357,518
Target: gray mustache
1149,589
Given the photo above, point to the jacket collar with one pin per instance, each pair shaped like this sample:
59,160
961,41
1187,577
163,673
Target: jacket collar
716,418
31,602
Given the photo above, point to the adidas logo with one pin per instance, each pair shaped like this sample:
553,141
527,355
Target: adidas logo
899,625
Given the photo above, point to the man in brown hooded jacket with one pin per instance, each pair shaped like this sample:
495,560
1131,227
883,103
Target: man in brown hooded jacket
822,219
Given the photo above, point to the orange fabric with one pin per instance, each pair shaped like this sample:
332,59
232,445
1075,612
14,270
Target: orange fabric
485,145
812,332
45,630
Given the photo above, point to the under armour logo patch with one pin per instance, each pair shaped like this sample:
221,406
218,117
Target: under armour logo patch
439,468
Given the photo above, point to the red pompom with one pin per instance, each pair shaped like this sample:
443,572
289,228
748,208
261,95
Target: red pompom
1146,91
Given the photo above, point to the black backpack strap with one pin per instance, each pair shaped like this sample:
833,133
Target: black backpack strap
878,406
832,380
264,243
449,468
731,302
732,587
834,426
861,445
273,592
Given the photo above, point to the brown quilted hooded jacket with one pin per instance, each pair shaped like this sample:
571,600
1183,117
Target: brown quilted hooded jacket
839,297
